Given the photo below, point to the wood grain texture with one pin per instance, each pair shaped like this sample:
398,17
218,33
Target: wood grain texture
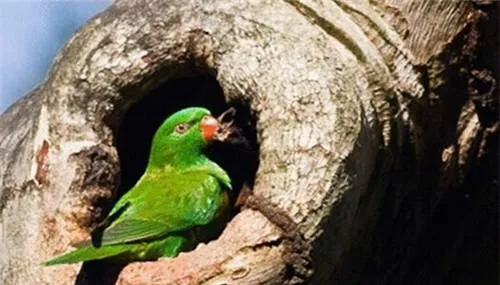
364,119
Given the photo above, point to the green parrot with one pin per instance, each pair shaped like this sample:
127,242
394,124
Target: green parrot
180,198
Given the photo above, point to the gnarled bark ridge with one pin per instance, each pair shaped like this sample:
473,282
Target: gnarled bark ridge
376,123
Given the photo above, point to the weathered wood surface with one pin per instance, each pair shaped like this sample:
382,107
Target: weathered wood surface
377,124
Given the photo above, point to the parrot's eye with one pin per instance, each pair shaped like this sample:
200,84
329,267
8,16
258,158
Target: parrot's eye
181,128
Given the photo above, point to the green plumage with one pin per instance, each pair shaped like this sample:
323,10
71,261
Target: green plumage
180,197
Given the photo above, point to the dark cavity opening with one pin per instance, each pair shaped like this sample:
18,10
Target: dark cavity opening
135,133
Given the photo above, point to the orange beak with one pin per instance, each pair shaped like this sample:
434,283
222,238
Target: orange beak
209,126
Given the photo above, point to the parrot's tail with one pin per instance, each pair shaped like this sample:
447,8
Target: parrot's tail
91,253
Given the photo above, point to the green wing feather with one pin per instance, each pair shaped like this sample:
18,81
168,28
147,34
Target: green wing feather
168,246
173,204
130,230
90,253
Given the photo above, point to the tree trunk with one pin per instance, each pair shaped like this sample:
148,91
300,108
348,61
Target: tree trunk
373,130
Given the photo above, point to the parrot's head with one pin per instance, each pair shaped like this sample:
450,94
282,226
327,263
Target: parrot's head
182,138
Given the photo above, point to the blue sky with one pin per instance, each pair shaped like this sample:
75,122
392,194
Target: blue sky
31,33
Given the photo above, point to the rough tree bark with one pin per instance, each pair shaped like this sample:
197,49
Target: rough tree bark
376,121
